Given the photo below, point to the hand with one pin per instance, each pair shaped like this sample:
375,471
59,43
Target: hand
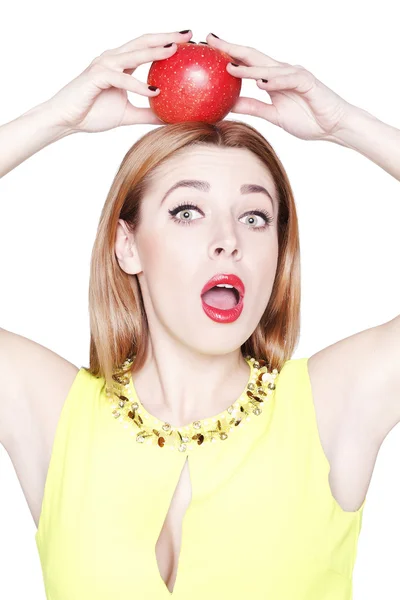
301,104
97,99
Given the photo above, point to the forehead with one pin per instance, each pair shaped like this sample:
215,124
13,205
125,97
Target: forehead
221,167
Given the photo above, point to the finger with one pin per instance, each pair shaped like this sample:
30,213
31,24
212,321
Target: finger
131,60
301,81
256,108
246,54
134,115
259,72
105,78
152,40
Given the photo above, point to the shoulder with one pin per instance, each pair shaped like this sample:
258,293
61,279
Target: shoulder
35,379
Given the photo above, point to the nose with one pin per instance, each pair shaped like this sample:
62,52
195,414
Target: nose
226,241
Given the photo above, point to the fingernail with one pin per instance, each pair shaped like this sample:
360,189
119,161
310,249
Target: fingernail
234,65
153,88
190,42
265,80
215,35
203,43
168,45
185,31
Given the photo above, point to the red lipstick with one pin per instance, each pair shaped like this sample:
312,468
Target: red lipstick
221,315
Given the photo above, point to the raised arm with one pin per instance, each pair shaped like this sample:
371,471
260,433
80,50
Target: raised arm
88,103
372,138
29,133
305,107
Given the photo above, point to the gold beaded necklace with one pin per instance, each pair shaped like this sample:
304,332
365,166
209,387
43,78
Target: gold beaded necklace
130,412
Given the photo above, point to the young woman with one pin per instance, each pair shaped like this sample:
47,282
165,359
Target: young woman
194,457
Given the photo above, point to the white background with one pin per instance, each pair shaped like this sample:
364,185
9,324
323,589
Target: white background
349,208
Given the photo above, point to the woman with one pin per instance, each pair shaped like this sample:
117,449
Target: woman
237,471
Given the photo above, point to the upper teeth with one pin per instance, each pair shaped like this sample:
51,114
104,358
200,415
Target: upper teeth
224,285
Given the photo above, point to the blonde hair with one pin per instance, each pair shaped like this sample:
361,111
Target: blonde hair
118,322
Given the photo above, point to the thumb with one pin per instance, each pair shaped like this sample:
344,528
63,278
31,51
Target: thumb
135,115
256,108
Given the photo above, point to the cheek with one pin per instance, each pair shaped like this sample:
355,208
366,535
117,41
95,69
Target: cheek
166,253
265,266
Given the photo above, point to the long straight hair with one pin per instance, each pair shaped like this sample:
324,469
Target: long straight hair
118,323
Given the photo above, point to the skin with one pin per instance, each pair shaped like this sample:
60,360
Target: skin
174,261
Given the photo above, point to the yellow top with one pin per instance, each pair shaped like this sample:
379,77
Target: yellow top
262,522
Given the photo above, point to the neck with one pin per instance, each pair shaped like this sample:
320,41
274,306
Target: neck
180,386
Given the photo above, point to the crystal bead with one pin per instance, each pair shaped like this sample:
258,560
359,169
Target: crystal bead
166,427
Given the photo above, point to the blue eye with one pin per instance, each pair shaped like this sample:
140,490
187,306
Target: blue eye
186,208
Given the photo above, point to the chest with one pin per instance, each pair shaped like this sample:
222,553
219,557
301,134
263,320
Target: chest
168,545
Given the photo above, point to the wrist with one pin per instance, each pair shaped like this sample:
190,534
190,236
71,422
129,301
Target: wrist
49,120
354,122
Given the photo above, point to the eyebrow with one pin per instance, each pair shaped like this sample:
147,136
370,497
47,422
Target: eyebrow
204,186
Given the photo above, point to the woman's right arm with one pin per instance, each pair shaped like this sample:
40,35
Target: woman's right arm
94,101
29,133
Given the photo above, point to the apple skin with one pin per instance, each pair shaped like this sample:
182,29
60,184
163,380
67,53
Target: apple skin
194,85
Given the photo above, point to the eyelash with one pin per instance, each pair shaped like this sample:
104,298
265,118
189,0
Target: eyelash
259,212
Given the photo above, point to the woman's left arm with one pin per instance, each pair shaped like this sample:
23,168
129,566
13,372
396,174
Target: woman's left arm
306,108
369,136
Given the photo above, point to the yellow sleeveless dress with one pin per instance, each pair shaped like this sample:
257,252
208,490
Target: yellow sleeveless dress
262,523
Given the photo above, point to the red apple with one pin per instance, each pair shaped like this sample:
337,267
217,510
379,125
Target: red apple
194,85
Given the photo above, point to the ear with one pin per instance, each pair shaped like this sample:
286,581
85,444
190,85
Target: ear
125,249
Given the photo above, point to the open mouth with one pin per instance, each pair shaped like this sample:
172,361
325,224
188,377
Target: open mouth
222,296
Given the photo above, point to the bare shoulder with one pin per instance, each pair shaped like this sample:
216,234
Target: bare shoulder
35,380
361,373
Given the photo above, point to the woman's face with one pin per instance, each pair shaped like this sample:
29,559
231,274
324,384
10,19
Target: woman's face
174,255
